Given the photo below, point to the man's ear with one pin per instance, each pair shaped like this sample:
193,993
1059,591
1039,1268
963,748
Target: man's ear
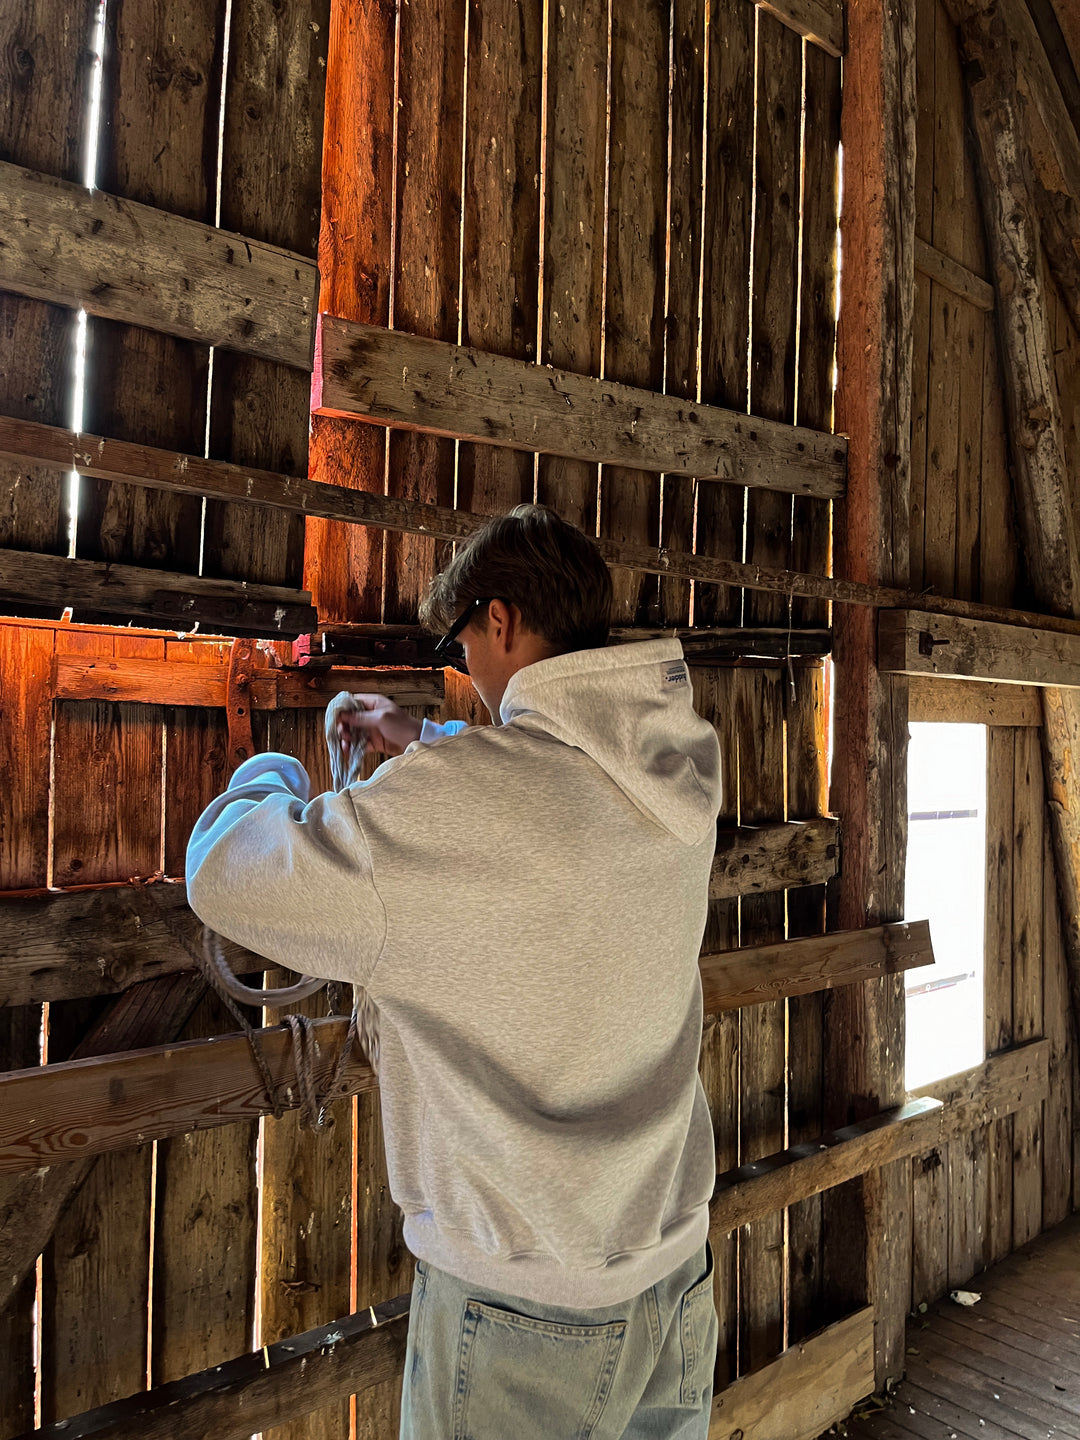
506,619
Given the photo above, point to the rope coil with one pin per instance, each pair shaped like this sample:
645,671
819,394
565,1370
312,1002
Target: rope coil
363,1016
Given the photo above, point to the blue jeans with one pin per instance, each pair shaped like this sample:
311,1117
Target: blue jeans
485,1366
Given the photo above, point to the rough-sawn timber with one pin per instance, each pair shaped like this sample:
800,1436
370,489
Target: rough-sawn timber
124,261
912,642
363,372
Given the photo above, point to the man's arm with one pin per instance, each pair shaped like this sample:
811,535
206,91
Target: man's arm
287,877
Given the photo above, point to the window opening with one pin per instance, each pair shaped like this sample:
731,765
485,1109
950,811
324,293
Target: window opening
946,884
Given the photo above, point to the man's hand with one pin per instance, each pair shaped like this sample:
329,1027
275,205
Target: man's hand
384,726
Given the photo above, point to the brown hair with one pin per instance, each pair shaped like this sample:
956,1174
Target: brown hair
552,571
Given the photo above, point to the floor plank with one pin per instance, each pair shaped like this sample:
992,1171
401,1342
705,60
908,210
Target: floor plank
1006,1368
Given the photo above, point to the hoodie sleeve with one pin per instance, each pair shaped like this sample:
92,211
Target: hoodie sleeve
431,731
287,877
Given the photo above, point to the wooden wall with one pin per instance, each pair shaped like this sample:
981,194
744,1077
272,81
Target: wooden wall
676,236
979,1198
655,202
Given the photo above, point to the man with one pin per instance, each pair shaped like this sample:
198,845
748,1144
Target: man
525,904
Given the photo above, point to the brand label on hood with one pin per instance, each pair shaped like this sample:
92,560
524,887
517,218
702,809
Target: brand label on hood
675,675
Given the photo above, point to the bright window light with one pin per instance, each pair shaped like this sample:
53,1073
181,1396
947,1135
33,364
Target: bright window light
946,884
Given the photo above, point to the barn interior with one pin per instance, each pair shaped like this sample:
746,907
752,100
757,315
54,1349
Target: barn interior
782,303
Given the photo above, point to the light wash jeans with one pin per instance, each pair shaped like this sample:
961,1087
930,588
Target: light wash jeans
485,1366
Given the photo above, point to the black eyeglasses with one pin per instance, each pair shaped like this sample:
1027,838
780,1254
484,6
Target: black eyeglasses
446,649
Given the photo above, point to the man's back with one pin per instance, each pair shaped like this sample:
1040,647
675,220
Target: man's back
538,896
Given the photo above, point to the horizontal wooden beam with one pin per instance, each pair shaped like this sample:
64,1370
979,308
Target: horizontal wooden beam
176,601
943,270
765,1186
808,1388
27,442
733,978
125,261
181,682
101,941
914,642
931,1117
972,702
819,21
308,1372
1007,1082
388,377
98,941
260,1391
62,1112
751,860
411,645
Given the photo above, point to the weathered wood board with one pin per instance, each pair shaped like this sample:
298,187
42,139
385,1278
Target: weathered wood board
129,1099
808,1388
764,973
179,682
914,643
94,587
389,378
164,271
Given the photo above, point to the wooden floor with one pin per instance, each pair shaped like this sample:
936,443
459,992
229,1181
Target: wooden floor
1006,1367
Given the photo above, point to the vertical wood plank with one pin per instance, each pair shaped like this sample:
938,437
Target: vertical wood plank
806,787
430,120
684,275
95,1289
96,1269
720,1057
820,198
998,549
306,1260
920,402
1027,975
1000,766
969,457
964,1242
44,77
942,442
25,725
930,1237
725,317
575,168
343,563
637,212
773,303
159,105
501,240
759,704
107,776
25,720
204,1238
20,1047
1058,1106
925,68
271,170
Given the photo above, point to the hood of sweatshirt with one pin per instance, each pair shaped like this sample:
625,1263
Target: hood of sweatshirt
629,708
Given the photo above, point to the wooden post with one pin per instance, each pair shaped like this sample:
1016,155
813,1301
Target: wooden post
864,1037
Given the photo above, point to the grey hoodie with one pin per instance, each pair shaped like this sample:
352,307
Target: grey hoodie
525,904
